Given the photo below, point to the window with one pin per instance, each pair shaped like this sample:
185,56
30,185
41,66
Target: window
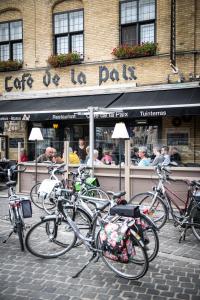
11,44
68,32
137,21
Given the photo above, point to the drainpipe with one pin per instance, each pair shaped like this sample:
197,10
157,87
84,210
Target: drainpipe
91,137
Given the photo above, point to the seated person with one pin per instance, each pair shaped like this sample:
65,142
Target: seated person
144,160
165,153
73,157
96,161
56,158
47,156
159,158
24,156
175,156
135,156
107,158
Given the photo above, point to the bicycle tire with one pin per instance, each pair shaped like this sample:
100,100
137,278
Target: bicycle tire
82,219
96,193
137,268
20,233
195,221
34,195
155,209
150,236
43,244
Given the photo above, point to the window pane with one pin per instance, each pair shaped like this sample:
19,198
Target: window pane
17,51
62,45
4,33
128,12
4,52
77,43
61,23
146,10
147,33
129,35
16,30
76,21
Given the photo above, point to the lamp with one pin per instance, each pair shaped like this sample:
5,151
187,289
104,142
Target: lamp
120,132
36,135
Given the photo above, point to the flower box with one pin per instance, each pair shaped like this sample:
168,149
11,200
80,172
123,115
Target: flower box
126,51
10,65
63,60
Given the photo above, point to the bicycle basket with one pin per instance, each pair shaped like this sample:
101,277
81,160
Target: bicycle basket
26,208
115,242
47,187
92,181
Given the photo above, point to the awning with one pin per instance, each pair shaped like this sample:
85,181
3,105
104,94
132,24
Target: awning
157,103
174,102
53,108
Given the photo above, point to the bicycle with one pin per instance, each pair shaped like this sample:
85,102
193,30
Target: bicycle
81,182
19,206
160,203
62,226
36,198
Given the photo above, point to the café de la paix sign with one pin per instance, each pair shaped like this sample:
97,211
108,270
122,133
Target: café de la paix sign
77,78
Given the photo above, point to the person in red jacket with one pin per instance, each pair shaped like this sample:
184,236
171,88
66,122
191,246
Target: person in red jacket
24,156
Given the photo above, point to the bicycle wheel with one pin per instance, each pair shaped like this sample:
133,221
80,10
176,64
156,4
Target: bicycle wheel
35,198
135,268
96,193
150,237
195,220
20,233
82,220
44,243
154,208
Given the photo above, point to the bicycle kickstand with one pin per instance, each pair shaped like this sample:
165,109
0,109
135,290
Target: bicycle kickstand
5,241
94,255
183,235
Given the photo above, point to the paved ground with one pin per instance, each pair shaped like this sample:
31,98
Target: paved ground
174,274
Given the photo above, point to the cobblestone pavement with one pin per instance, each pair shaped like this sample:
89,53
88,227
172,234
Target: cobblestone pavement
174,274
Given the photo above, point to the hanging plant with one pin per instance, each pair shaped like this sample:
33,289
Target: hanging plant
10,65
63,60
126,51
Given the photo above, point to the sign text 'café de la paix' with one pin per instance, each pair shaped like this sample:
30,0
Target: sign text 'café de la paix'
51,78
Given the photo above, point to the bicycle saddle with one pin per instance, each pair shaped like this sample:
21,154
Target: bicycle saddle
116,195
11,183
99,204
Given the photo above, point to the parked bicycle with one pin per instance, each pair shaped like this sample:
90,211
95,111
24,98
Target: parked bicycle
56,234
81,182
19,206
163,201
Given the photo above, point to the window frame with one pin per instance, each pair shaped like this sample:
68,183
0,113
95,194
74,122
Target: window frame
68,34
138,23
10,42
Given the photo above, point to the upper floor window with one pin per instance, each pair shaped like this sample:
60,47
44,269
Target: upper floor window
68,32
137,21
11,43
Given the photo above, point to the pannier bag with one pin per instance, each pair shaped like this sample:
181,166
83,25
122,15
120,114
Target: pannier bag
116,242
26,208
132,211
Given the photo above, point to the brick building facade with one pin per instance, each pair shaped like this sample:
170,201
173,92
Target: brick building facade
33,30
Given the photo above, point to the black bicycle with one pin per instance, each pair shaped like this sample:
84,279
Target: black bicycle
19,206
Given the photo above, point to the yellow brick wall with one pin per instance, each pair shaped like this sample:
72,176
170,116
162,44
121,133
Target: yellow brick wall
101,35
